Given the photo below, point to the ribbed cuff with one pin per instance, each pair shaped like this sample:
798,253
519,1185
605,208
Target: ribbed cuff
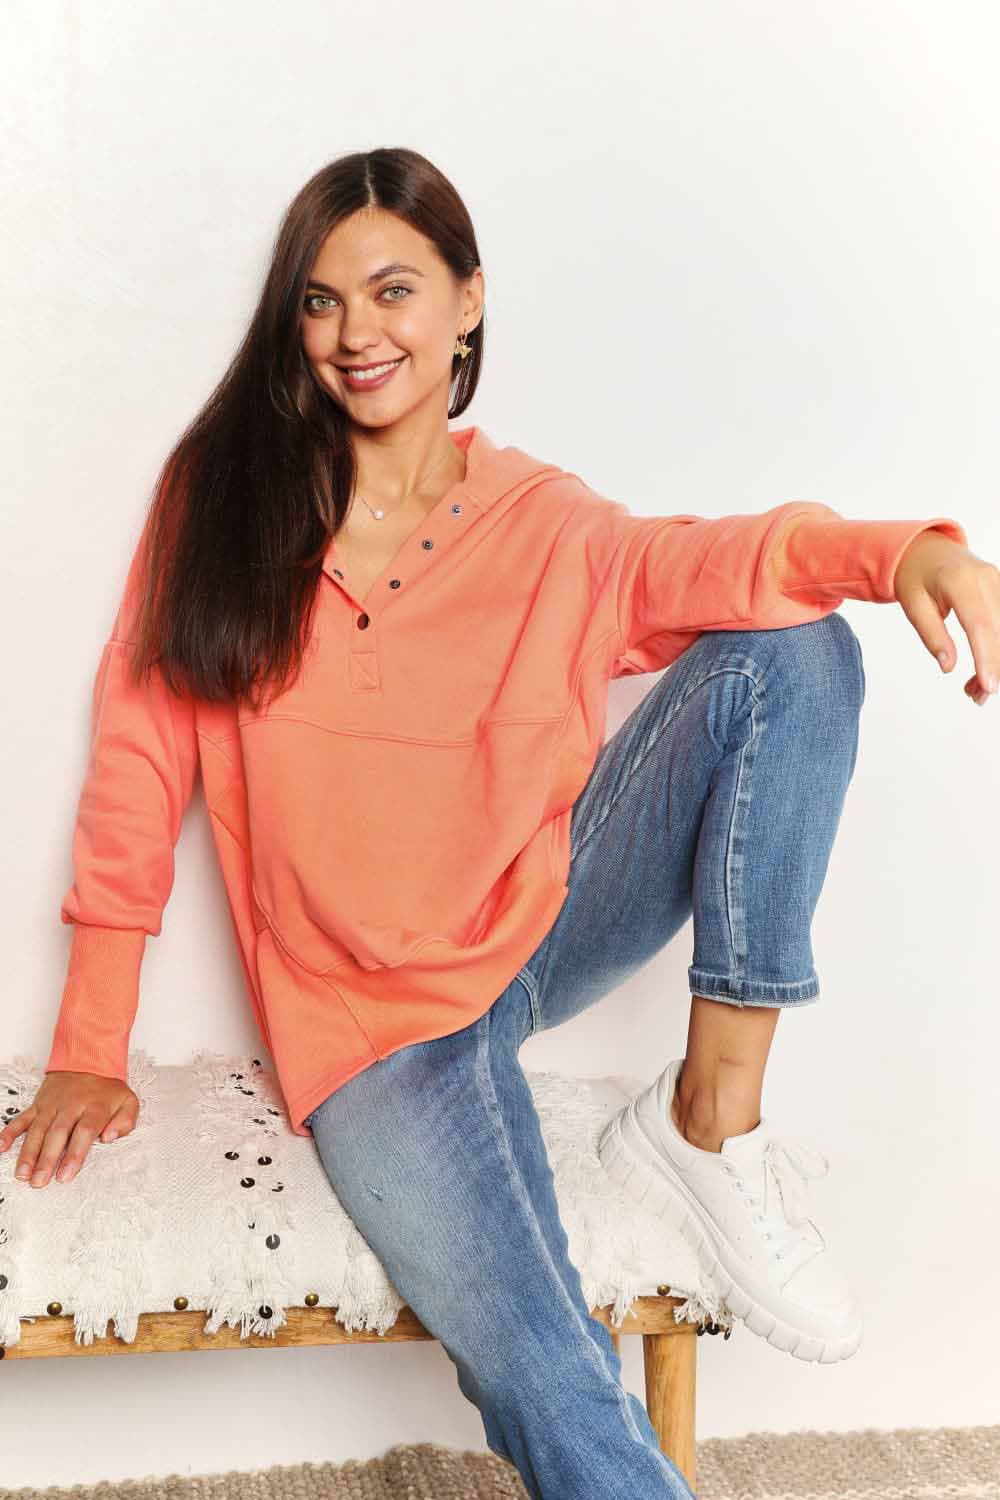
99,1001
832,559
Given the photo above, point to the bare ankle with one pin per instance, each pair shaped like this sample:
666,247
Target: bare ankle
705,1117
707,1137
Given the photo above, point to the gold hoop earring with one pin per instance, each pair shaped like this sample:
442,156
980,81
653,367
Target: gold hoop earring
461,347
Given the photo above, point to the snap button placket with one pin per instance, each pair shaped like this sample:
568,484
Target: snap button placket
363,620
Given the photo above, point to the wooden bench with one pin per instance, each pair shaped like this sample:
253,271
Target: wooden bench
214,1226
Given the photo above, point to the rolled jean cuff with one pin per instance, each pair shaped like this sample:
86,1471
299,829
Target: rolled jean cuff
752,991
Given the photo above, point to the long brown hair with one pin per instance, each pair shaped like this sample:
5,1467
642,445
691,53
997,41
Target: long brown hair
247,500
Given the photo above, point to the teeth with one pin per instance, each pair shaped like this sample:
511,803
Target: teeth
371,374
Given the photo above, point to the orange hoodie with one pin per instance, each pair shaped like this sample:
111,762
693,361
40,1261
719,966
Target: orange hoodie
393,830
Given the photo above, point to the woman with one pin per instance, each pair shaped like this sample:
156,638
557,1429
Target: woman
387,647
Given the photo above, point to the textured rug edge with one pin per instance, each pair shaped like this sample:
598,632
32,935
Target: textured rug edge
900,1463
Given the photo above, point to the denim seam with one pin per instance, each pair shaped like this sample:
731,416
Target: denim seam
736,841
523,977
484,1079
715,672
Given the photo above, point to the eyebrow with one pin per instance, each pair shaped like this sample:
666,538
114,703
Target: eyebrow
390,270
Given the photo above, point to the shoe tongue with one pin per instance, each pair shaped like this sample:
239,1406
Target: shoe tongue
748,1146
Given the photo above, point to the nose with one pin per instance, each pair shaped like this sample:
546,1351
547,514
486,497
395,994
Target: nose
356,333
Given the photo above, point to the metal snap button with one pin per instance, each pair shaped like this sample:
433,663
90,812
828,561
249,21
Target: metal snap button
456,510
362,622
338,572
427,543
394,583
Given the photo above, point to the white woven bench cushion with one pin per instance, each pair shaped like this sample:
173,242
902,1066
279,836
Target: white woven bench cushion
163,1213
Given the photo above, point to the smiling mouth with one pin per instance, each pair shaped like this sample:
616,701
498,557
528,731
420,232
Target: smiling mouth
384,364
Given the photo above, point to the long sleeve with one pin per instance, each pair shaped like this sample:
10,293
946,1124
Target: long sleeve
140,777
676,576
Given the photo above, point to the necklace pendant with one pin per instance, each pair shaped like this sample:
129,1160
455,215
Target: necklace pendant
378,514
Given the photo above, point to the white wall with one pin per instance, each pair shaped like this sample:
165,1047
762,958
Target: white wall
735,254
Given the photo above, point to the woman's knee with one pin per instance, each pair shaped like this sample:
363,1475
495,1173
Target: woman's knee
821,659
815,669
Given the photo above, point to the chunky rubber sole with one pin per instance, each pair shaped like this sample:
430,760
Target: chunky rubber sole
649,1187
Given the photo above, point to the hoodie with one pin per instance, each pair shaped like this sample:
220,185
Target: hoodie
393,829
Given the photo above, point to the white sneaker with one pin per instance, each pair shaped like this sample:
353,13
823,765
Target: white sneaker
742,1210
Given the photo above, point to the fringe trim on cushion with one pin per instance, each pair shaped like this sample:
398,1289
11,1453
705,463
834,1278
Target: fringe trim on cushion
116,1217
242,1121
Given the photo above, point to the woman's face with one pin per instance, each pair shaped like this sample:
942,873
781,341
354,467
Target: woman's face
358,311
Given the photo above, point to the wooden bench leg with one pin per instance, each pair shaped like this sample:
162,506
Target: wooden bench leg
670,1361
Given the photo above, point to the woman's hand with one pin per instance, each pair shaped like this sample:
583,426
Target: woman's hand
936,575
73,1108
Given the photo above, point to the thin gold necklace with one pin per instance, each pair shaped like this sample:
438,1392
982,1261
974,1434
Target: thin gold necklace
380,514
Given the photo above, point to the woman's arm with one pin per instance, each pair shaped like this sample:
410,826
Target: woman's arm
140,777
675,576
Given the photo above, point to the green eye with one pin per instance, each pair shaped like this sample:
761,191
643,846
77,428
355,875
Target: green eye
321,297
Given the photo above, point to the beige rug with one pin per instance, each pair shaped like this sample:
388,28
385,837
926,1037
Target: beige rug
903,1463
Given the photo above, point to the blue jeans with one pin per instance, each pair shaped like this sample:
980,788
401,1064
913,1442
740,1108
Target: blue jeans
718,798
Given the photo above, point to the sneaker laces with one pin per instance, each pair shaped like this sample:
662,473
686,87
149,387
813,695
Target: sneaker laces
787,1167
